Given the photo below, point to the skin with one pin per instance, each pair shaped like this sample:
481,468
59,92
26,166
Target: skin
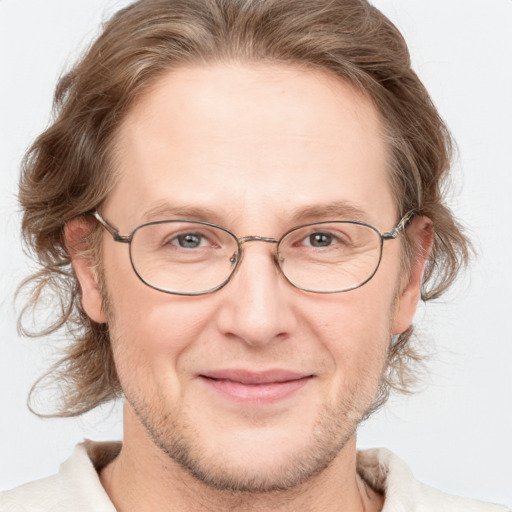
230,141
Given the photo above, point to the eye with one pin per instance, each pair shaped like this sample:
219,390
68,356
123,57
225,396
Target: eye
188,240
325,239
320,239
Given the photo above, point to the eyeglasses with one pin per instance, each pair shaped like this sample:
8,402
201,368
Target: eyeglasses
187,257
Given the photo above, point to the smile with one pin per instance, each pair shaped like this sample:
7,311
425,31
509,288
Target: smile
255,388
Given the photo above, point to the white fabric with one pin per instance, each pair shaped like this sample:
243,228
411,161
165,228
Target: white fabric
77,488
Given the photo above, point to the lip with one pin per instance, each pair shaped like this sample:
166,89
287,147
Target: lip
255,388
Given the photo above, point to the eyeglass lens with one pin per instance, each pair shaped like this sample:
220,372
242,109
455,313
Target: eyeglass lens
192,258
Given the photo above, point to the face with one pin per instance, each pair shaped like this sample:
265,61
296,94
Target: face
259,385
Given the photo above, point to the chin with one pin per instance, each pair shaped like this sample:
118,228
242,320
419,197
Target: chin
253,469
255,459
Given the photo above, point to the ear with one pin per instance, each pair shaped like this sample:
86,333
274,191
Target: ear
421,234
75,236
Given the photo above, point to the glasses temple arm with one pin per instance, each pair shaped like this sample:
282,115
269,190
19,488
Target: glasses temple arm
115,234
400,227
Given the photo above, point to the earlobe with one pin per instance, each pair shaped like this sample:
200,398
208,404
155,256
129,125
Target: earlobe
421,235
75,234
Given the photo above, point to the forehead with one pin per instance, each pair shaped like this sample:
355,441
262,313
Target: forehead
242,140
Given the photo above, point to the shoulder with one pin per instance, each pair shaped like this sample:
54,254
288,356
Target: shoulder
387,473
76,487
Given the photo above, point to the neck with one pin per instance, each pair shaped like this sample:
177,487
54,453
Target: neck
142,477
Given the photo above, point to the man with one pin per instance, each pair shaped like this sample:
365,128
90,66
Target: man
249,194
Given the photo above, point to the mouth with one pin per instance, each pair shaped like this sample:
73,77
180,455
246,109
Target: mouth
255,388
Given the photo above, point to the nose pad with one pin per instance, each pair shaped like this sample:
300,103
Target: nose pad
278,260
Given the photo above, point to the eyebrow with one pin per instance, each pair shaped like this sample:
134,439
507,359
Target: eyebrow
163,211
336,210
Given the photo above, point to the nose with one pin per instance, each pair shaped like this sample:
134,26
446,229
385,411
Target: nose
256,305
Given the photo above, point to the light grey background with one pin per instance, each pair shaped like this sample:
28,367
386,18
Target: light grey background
456,434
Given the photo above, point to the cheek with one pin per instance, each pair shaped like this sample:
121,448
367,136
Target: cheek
355,327
150,330
158,326
152,344
149,318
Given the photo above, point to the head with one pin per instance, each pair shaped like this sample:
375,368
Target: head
246,51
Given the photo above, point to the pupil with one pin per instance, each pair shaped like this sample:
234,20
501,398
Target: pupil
189,241
320,240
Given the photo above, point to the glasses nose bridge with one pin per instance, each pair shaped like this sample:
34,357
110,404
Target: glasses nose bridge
265,239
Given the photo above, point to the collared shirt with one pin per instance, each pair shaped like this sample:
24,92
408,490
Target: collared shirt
77,487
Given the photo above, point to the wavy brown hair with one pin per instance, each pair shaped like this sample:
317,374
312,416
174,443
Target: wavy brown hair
70,168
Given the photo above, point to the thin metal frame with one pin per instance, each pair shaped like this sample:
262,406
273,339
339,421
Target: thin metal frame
401,226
